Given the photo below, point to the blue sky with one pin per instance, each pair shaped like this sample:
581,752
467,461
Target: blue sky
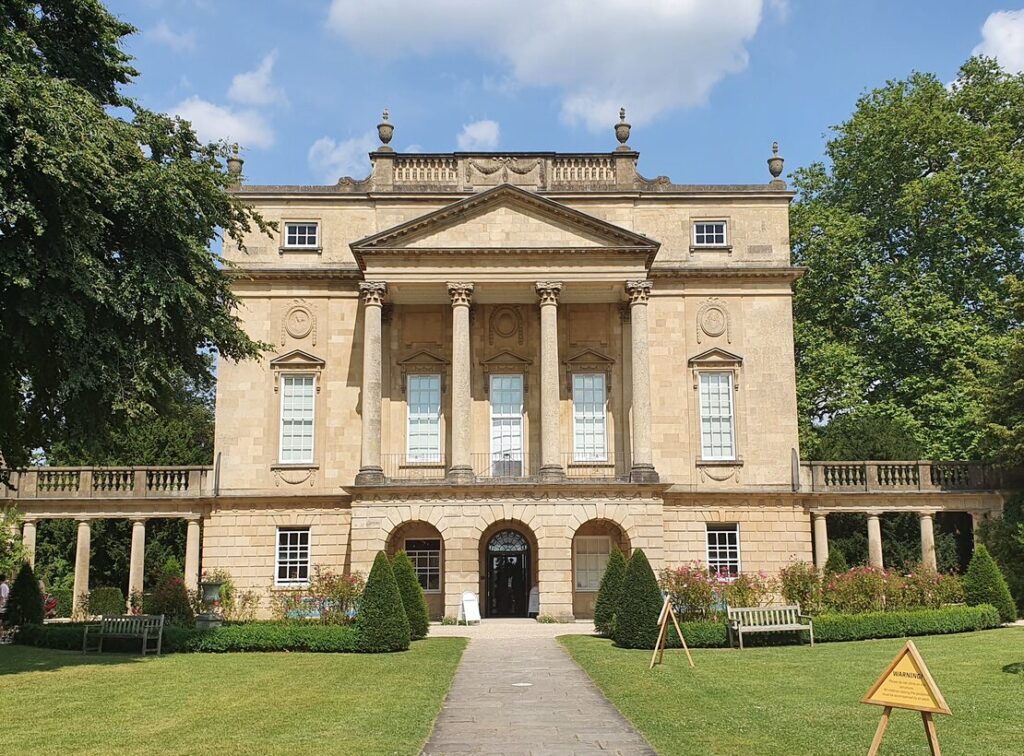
707,84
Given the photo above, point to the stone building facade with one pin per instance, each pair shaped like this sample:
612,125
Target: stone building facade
508,364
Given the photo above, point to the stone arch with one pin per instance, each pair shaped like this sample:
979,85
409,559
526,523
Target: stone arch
592,541
417,538
492,601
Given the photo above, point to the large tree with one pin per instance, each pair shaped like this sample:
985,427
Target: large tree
109,290
912,234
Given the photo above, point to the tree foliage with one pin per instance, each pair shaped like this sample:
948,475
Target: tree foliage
413,600
912,236
636,616
381,622
109,289
608,593
25,602
984,584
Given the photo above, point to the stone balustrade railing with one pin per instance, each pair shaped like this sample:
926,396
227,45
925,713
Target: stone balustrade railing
108,482
872,476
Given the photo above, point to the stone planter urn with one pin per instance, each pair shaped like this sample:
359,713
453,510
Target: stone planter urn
211,592
211,598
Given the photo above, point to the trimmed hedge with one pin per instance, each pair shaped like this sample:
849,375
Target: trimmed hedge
25,601
984,584
65,601
636,616
106,600
381,622
413,600
67,636
608,593
830,628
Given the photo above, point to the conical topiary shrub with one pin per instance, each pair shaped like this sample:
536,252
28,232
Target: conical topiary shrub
24,602
608,594
636,615
836,563
984,584
413,600
381,623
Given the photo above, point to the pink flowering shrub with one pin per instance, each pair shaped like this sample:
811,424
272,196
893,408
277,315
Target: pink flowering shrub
747,589
861,589
691,588
330,598
800,583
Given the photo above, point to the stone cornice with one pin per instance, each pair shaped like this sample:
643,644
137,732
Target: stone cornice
788,274
571,490
325,272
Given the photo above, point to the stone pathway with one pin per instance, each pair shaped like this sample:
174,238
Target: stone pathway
517,691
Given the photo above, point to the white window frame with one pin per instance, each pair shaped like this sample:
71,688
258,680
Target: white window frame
289,560
713,244
510,416
285,244
415,457
415,554
281,420
722,527
729,377
584,455
580,540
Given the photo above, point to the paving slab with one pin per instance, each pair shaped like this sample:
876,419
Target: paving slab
517,691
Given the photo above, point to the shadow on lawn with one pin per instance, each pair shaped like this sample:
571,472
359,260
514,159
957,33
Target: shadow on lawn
17,659
1017,668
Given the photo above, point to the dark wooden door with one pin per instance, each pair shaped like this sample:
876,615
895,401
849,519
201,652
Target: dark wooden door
508,584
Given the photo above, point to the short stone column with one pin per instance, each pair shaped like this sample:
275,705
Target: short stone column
928,558
460,468
874,541
81,588
820,520
642,470
550,442
370,470
137,561
28,541
192,554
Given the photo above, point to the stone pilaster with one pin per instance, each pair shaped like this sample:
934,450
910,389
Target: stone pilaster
928,558
137,560
370,470
550,443
192,554
460,469
820,520
874,541
28,541
81,589
642,470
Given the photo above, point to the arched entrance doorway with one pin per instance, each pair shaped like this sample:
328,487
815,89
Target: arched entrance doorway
592,543
425,547
508,556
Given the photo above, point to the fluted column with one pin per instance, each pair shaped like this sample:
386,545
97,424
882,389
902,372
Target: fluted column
28,541
370,470
642,470
192,554
820,520
550,444
137,561
928,558
460,469
81,589
874,541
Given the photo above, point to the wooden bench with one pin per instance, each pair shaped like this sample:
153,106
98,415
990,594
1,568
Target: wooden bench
149,628
768,619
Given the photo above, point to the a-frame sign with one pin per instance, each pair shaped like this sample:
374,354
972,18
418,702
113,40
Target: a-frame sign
907,684
667,612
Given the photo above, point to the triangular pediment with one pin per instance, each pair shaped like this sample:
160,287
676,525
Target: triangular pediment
505,217
716,356
298,359
589,357
423,358
505,358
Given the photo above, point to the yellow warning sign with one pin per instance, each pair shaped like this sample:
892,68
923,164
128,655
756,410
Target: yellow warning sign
907,684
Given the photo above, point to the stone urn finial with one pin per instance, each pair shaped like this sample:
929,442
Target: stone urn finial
622,130
235,163
775,163
385,130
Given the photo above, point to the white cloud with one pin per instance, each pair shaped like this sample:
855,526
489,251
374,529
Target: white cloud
1002,38
648,55
214,122
178,41
479,135
414,148
256,87
330,159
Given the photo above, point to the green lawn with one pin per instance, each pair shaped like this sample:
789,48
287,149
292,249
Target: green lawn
795,700
62,701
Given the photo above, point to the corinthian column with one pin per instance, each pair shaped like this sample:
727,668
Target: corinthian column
550,451
642,470
370,470
460,469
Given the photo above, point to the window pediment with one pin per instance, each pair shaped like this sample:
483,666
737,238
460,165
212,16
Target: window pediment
423,362
589,361
716,359
505,362
296,361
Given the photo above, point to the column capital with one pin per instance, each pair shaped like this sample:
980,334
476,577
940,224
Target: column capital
461,293
373,292
83,520
639,291
548,291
